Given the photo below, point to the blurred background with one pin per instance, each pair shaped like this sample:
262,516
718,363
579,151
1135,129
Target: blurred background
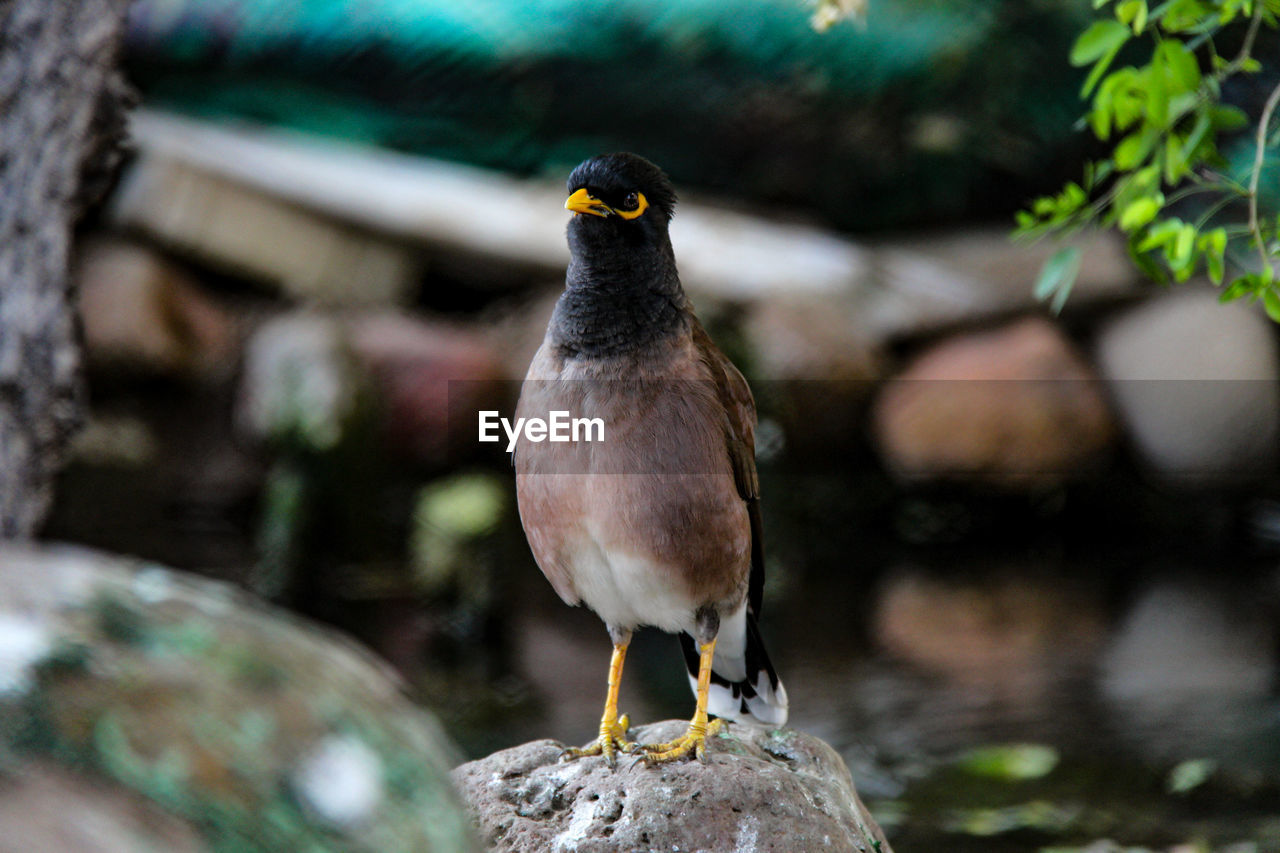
1023,568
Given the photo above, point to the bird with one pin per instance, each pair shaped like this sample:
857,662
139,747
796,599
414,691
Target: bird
657,522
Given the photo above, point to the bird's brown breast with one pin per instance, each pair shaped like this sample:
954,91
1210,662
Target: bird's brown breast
654,504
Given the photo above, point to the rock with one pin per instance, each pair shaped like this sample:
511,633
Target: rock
812,369
142,313
991,638
761,789
36,800
260,200
791,338
923,284
1195,383
1189,670
432,379
1016,407
230,206
308,376
132,689
300,386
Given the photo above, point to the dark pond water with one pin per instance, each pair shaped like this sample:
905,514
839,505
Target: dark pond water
1000,673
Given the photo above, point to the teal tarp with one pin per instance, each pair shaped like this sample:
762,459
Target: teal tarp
937,109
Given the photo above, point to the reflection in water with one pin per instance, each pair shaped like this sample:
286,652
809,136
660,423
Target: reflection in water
1191,669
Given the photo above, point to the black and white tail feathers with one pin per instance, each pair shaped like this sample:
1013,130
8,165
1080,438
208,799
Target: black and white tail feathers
743,681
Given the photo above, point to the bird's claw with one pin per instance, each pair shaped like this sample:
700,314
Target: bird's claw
612,740
692,742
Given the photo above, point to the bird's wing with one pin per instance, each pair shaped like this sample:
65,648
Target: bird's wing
740,441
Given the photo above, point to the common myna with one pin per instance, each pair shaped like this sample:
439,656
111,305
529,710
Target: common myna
657,522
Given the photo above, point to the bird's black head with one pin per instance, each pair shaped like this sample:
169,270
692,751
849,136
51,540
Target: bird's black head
624,191
622,290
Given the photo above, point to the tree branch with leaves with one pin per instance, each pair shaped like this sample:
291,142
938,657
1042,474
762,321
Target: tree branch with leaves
1164,181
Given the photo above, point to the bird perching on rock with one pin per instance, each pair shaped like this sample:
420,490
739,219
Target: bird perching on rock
658,523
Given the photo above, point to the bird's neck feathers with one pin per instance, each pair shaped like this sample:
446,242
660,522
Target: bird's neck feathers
619,297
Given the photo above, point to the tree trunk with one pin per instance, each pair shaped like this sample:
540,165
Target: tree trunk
62,113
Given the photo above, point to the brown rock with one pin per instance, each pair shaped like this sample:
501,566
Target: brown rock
433,378
994,637
1016,407
141,312
812,369
761,789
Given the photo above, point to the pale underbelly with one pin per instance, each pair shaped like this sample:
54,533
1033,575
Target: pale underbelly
628,590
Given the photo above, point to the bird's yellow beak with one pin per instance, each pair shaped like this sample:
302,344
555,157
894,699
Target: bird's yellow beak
583,202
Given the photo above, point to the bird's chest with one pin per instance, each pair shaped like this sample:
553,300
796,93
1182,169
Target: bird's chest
643,524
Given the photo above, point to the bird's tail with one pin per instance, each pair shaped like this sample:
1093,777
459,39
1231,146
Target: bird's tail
743,681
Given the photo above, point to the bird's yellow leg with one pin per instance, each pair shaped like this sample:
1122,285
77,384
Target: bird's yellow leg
613,729
694,739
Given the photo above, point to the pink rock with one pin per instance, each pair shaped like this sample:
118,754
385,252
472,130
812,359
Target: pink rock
432,378
1016,407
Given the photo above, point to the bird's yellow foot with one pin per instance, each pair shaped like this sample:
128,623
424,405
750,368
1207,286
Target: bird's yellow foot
612,740
693,742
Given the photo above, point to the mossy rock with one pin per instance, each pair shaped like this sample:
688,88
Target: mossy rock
258,730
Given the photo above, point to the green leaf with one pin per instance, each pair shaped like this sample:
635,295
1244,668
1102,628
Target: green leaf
1215,265
1058,276
1144,262
1175,165
1160,234
1190,775
1140,212
1101,38
1228,117
1214,246
1010,763
1199,131
1134,149
1133,13
1099,68
1271,302
1179,64
1245,285
1180,249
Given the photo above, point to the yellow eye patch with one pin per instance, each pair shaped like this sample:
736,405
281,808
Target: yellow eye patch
642,204
584,202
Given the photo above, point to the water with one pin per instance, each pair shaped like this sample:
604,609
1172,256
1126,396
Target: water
1000,673
1124,670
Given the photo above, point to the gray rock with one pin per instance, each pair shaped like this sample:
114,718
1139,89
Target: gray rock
761,790
931,282
1195,383
301,383
246,727
310,376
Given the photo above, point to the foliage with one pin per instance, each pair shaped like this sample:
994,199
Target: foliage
1164,181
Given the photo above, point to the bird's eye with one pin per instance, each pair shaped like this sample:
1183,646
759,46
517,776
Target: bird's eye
631,201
